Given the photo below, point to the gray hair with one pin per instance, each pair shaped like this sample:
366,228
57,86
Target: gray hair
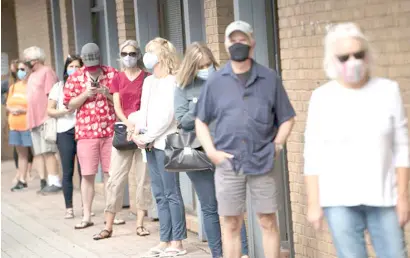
133,43
34,53
335,33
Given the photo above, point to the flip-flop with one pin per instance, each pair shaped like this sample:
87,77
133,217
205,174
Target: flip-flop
84,224
117,222
153,252
173,252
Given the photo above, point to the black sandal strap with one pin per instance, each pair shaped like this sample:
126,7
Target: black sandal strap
101,236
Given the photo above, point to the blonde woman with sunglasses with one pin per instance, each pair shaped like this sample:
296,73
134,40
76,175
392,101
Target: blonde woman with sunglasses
127,89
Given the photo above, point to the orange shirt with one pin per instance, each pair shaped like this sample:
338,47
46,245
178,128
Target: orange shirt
17,98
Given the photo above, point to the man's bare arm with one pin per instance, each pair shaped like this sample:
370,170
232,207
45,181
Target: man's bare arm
284,131
204,136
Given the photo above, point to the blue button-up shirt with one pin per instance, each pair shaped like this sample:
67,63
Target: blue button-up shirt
246,116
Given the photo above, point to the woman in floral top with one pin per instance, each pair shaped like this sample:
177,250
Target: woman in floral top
87,91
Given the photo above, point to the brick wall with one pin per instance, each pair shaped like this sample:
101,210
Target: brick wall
8,45
125,20
302,28
218,14
33,26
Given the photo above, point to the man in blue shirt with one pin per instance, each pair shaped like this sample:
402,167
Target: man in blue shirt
253,118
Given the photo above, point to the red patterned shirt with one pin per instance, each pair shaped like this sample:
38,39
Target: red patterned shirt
96,117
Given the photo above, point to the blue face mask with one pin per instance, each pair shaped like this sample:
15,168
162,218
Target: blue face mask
70,71
150,60
21,74
204,73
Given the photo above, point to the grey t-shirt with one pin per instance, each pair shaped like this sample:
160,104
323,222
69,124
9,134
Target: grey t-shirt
244,77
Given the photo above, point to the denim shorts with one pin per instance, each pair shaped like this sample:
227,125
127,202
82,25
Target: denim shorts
20,138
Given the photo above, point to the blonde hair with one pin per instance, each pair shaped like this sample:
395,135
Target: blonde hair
166,52
191,62
134,44
34,53
336,33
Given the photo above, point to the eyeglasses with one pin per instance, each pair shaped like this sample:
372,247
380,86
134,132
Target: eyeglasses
132,54
358,55
21,69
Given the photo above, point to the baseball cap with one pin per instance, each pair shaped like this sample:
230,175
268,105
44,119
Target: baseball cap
90,53
239,26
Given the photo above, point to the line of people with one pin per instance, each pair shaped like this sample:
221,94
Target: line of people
242,116
87,103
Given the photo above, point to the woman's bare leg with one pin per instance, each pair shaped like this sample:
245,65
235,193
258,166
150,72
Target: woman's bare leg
23,162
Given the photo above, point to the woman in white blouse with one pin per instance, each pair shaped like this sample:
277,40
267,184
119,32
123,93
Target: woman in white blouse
357,151
157,121
67,146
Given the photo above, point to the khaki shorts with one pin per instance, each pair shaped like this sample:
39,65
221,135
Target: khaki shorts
40,145
231,191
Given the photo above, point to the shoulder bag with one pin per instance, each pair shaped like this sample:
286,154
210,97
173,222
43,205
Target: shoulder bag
184,153
50,129
50,125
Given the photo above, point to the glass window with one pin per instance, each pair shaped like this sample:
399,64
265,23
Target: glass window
171,22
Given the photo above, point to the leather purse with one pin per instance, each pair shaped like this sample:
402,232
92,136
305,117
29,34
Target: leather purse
119,140
184,153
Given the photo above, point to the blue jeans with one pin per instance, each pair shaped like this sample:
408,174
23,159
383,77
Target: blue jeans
204,184
167,193
348,224
67,147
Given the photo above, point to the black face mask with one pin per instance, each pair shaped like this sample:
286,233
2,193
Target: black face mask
239,52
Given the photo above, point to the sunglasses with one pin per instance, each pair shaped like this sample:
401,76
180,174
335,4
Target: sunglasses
132,54
358,55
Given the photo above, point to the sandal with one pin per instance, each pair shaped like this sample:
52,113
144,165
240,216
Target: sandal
153,252
103,234
173,252
117,222
142,231
84,224
92,214
69,214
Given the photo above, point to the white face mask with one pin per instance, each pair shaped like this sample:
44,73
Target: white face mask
352,71
129,61
150,60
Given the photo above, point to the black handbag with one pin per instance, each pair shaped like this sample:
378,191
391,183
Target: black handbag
120,138
184,153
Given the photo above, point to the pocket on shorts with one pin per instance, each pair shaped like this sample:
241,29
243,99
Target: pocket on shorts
226,164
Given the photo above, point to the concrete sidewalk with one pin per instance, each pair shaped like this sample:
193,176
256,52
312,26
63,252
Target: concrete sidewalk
33,226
